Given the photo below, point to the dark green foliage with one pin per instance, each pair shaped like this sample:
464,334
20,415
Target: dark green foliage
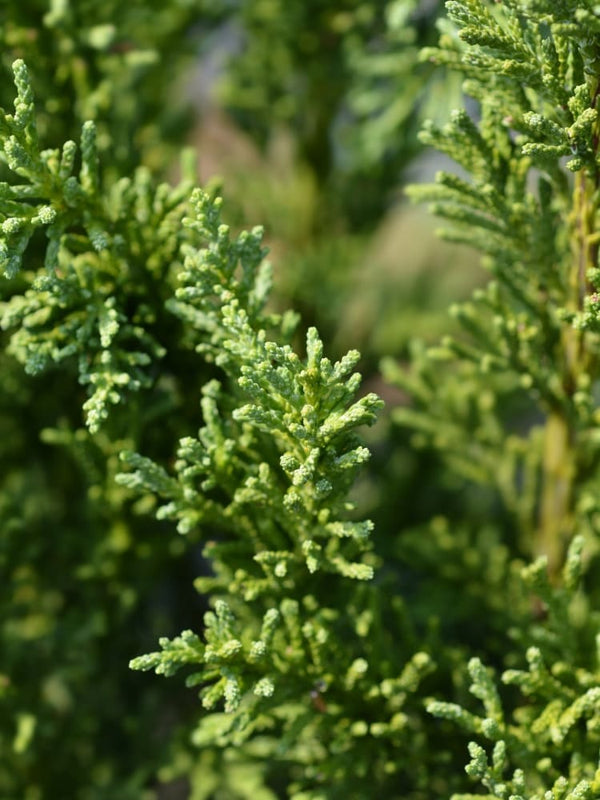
111,62
85,265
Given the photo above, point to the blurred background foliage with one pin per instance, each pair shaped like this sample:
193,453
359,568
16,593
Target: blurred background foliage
307,111
310,115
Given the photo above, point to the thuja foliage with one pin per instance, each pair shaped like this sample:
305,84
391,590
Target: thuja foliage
512,404
102,311
161,421
528,202
81,570
270,470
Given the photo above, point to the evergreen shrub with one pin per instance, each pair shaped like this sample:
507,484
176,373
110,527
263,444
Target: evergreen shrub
164,422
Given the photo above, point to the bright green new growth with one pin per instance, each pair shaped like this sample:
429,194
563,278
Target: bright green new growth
288,510
268,477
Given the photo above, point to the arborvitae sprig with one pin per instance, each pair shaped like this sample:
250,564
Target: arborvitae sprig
293,679
267,481
298,412
530,204
272,467
87,301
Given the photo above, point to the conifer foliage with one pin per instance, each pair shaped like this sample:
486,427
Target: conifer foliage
159,417
528,198
530,204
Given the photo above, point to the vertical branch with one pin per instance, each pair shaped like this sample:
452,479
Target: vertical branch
555,526
560,467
